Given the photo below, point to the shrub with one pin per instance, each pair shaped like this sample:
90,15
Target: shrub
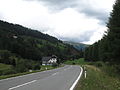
36,67
21,66
99,64
73,63
7,72
54,65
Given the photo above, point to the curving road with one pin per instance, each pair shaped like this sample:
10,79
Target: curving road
56,79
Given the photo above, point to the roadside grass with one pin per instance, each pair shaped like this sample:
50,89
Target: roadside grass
43,68
97,80
47,67
4,66
5,69
76,62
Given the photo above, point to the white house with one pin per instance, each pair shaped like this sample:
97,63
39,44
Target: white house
49,60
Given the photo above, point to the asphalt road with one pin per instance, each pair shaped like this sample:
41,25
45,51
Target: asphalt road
56,79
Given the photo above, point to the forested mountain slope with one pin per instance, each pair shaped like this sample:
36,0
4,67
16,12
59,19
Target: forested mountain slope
18,43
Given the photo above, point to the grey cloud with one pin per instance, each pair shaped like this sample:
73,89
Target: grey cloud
80,5
82,38
58,4
101,15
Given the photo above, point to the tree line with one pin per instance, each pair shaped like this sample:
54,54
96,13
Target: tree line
108,48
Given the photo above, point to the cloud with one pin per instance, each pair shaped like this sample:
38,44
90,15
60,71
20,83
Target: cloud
84,37
74,26
74,20
57,4
93,8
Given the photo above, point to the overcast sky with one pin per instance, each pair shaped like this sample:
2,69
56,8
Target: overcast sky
68,20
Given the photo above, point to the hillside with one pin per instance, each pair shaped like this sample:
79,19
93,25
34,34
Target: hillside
34,44
23,47
16,29
78,46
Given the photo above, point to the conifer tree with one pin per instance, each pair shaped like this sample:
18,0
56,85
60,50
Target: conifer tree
114,34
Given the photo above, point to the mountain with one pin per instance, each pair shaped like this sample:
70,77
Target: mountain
20,30
78,46
32,44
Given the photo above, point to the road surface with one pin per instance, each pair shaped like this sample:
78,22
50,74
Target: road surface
57,79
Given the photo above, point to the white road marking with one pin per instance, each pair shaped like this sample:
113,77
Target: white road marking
11,78
22,85
64,69
54,74
67,68
74,84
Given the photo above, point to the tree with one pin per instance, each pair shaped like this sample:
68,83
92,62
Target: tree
114,34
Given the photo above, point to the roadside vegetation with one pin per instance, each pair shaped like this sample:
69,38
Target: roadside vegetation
98,80
6,68
76,62
99,76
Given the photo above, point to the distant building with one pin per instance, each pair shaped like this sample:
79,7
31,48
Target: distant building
15,37
49,60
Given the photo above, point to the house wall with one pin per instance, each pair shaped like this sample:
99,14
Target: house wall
53,60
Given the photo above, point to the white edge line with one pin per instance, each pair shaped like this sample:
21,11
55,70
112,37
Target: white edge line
22,85
74,84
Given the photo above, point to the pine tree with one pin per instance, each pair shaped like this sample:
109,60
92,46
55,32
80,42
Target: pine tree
114,34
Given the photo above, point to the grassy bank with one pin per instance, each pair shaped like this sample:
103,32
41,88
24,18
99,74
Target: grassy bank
97,80
43,68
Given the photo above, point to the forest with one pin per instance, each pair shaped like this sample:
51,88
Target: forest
107,49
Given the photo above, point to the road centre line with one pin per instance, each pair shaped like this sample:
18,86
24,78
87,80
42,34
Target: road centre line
55,73
22,85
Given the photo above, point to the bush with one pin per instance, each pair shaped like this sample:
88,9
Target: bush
111,70
21,66
7,72
73,63
54,65
99,64
36,67
4,56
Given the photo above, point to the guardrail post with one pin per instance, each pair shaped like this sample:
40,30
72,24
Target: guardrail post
85,71
85,74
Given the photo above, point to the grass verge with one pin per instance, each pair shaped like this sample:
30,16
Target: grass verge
97,80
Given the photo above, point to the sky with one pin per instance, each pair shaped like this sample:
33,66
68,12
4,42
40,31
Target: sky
68,20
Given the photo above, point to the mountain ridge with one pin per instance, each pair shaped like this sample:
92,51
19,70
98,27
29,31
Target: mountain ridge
78,46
